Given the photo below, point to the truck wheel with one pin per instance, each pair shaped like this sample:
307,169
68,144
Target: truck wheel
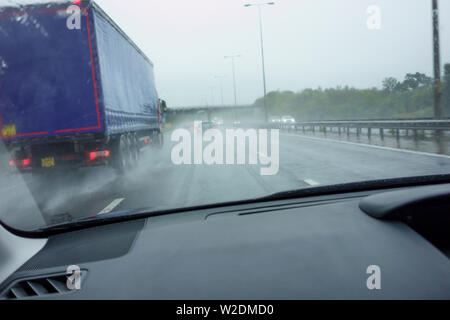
122,158
134,150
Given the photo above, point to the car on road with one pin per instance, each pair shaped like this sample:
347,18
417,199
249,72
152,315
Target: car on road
275,120
236,123
287,120
206,125
201,125
218,121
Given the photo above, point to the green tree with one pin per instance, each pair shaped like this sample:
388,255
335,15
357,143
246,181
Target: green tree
416,80
390,84
412,98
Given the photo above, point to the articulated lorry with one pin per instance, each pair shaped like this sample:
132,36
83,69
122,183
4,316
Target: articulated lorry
74,89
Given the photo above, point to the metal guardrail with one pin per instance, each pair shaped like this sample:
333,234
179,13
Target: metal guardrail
380,124
438,127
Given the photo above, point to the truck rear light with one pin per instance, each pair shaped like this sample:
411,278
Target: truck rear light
98,155
21,163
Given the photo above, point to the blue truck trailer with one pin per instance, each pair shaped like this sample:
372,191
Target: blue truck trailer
74,89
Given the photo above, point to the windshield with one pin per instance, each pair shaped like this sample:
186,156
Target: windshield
117,106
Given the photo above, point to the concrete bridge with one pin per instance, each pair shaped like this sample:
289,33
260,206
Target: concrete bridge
225,112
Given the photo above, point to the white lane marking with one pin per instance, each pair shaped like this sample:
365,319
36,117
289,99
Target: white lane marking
264,156
311,182
260,154
373,146
111,206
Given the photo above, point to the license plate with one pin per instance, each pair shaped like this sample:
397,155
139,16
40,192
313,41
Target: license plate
48,162
9,131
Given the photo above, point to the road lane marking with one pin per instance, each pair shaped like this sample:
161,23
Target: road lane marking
311,182
260,154
373,146
111,206
264,156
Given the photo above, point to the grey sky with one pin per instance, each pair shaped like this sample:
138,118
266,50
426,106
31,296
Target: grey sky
308,43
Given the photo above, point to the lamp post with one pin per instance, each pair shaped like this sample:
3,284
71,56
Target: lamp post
220,78
437,85
437,62
259,5
234,74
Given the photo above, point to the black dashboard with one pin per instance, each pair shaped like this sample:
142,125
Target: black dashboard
318,247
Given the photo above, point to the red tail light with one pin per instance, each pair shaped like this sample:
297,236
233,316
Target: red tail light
145,140
98,154
21,163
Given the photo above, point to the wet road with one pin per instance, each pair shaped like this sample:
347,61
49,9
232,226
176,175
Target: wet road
159,184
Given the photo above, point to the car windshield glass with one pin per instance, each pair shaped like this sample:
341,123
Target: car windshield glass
113,106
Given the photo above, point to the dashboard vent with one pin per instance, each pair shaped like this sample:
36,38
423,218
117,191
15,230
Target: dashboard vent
38,287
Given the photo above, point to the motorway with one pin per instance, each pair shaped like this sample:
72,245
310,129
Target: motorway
159,184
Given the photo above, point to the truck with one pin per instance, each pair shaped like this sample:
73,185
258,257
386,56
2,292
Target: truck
75,90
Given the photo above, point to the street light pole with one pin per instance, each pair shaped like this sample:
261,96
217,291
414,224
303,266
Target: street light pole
234,74
437,63
437,75
221,86
262,52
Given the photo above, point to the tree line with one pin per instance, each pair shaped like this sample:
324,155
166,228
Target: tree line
411,98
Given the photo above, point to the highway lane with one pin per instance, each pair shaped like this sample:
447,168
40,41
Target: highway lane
331,162
159,184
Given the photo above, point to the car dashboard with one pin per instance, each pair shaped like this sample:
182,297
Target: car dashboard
319,247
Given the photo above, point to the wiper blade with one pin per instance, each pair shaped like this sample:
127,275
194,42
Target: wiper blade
111,217
143,213
118,216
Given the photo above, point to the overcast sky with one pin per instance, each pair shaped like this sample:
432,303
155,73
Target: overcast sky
308,43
